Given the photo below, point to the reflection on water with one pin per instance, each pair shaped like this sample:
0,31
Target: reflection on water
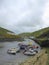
6,58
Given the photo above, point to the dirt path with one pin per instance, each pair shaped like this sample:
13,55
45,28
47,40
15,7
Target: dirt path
38,59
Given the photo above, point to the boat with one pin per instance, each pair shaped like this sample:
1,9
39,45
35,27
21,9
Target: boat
22,45
29,53
33,50
13,50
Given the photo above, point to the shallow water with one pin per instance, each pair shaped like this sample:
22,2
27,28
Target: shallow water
8,59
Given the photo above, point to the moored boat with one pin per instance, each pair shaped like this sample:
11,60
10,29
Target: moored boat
33,50
29,53
13,50
22,45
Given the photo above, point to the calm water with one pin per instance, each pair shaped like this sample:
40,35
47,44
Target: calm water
7,59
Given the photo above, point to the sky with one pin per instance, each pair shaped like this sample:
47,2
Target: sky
24,15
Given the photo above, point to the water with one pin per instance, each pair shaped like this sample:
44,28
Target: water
7,59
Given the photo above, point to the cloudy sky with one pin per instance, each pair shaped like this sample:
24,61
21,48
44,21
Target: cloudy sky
24,15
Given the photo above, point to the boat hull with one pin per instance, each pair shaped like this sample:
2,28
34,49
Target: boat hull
29,53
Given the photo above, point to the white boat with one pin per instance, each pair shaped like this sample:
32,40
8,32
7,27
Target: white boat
33,50
29,53
13,50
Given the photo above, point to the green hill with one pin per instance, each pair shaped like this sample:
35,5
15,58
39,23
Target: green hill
41,36
3,31
40,32
6,35
36,33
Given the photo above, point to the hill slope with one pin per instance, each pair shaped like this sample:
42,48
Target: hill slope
41,36
6,35
36,33
40,32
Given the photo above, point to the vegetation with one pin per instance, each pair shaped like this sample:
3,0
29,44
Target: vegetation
36,33
41,36
4,36
48,56
38,59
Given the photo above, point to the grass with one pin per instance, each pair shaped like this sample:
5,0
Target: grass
40,32
48,56
38,59
42,35
5,36
36,33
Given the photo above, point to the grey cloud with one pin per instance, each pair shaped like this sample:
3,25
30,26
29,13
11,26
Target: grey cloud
22,15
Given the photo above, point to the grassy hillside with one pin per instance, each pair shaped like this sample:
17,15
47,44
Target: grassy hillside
41,36
4,30
5,36
36,33
40,32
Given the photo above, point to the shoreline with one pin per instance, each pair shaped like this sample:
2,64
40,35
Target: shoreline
39,59
9,40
